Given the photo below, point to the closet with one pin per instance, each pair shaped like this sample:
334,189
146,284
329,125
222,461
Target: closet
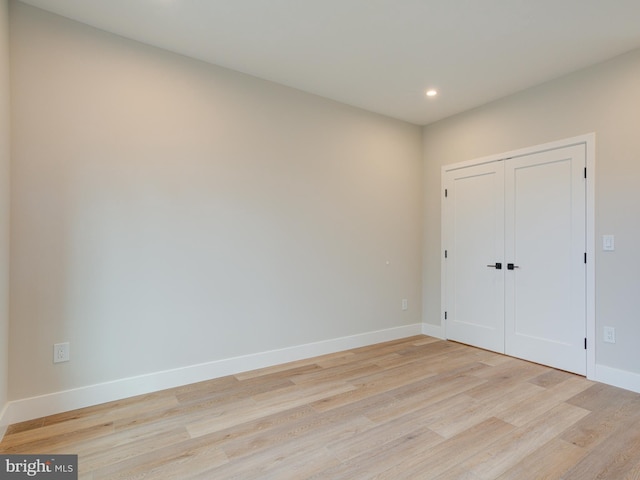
514,259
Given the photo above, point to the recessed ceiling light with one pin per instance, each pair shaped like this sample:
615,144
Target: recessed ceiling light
432,92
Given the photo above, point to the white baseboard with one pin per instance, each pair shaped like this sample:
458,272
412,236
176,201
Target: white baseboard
617,378
436,331
58,402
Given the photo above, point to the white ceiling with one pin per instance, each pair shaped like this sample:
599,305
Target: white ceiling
380,55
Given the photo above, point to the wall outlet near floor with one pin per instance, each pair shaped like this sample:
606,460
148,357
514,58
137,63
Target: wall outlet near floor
405,304
609,335
61,352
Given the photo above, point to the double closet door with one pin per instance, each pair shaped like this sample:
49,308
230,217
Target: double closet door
515,241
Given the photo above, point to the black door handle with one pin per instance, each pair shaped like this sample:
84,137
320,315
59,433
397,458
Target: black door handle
511,266
497,266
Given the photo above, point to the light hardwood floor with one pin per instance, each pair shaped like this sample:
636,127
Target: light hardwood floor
417,408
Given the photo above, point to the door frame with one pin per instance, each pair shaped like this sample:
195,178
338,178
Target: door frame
589,141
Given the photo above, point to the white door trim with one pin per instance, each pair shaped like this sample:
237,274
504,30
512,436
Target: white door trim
589,140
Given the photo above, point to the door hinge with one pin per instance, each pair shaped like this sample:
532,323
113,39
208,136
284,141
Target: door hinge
585,172
445,315
446,193
585,257
585,343
445,254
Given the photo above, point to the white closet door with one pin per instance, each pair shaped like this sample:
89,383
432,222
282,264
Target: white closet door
545,292
474,229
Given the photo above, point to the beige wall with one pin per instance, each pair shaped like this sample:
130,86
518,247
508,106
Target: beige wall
604,99
4,204
167,212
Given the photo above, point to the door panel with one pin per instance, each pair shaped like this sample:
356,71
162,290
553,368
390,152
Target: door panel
545,237
474,227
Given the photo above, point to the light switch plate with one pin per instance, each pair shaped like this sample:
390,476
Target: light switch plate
608,243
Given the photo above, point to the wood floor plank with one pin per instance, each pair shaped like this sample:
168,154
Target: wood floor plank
234,416
456,473
375,438
198,449
449,453
331,426
538,402
346,373
559,456
523,441
191,458
371,384
615,458
633,473
266,462
424,395
551,378
600,397
373,463
473,411
413,408
603,422
93,459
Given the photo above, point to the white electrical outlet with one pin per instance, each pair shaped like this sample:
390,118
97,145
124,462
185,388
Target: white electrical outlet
405,304
61,352
609,335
